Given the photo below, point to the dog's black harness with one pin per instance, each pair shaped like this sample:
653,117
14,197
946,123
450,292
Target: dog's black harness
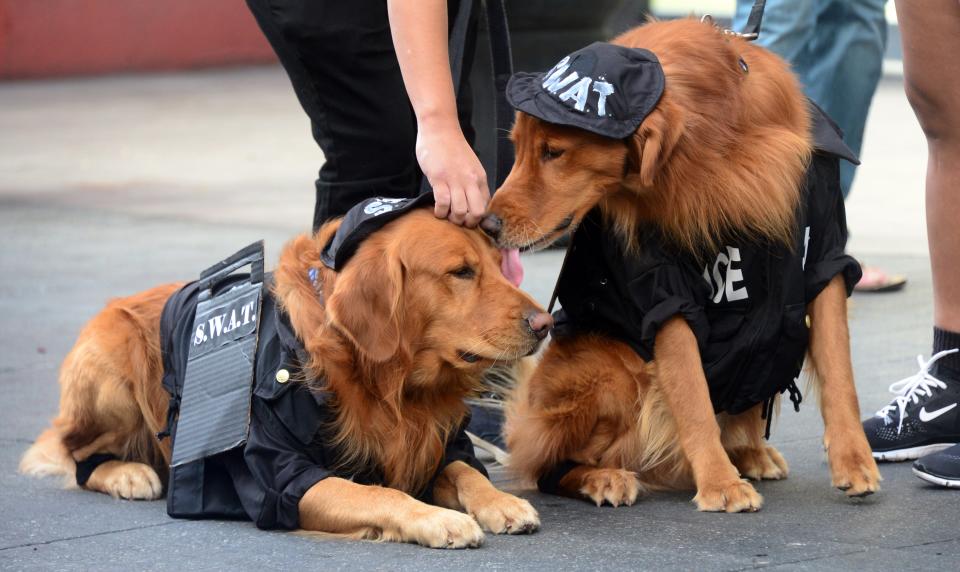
288,448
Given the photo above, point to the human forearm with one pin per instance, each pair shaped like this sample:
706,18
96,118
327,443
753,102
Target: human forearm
419,29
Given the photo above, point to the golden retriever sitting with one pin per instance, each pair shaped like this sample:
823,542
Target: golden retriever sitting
407,328
708,258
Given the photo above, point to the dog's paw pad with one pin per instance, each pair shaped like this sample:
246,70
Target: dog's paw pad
612,486
777,467
739,496
759,464
854,471
130,481
507,514
444,528
859,481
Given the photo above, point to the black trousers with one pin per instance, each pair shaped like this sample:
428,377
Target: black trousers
340,58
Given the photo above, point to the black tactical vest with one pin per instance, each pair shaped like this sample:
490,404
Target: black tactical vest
287,449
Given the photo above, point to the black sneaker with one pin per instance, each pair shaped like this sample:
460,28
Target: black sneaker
924,417
942,468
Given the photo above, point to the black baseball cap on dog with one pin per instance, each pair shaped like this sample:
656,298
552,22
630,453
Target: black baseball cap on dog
362,220
603,88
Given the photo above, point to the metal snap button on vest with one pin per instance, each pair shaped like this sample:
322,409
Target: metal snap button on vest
603,281
807,320
283,376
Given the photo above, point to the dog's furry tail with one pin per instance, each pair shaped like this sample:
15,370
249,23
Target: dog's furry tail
48,456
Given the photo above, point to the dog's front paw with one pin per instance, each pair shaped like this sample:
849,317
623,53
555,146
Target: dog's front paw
613,486
125,480
443,528
505,513
736,496
852,468
759,463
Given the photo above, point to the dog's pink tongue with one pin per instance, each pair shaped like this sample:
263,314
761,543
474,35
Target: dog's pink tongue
511,266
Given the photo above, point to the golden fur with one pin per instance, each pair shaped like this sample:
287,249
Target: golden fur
721,157
389,346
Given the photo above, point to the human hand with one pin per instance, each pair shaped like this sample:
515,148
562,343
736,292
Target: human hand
455,173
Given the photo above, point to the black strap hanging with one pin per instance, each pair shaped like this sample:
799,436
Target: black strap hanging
796,397
458,42
173,408
767,413
502,58
752,30
556,285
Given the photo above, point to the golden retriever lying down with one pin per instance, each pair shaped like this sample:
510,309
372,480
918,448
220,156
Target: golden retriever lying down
409,325
708,258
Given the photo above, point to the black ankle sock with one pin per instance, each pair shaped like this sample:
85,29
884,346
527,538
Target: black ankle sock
947,367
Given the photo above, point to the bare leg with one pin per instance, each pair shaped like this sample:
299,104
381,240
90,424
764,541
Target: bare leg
931,42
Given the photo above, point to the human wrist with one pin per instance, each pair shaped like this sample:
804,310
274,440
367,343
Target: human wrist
437,119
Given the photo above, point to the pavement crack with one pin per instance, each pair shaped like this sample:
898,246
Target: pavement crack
82,536
799,560
931,542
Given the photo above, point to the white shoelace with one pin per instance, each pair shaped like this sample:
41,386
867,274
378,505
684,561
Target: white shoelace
912,388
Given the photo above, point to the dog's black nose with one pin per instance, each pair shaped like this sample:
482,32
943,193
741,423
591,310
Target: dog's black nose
491,224
541,323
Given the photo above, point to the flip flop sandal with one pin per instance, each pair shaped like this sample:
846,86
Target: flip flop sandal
876,280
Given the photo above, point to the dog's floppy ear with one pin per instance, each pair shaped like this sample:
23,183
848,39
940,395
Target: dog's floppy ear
365,303
650,146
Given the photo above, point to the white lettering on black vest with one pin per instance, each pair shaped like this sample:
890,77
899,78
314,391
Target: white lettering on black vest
724,284
220,324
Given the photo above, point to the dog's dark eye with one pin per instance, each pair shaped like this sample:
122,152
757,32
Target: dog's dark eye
465,272
550,153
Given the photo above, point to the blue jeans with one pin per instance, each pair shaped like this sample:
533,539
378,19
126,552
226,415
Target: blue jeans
836,48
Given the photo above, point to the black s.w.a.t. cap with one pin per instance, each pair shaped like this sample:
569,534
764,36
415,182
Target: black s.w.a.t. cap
603,88
362,220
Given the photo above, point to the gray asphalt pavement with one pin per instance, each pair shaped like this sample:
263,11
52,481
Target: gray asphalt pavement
112,185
